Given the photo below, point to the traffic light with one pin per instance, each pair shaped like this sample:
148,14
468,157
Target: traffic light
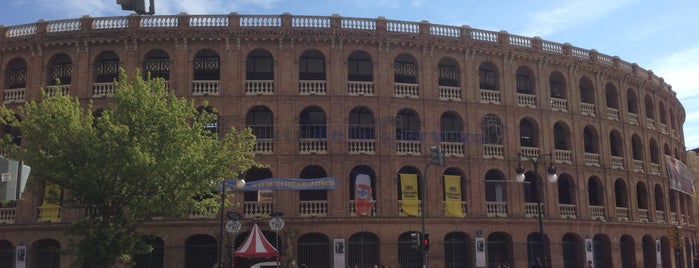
138,6
437,155
416,240
426,241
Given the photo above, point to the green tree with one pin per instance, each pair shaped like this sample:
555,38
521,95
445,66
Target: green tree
148,154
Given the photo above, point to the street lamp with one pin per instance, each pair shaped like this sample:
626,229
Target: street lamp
277,224
239,184
551,177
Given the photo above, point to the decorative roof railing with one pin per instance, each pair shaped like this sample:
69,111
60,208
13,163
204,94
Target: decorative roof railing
379,26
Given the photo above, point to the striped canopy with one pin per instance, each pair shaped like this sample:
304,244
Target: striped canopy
256,246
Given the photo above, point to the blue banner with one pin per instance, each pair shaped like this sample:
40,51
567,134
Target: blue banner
327,183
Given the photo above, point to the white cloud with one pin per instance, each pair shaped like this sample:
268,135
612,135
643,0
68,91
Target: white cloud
570,13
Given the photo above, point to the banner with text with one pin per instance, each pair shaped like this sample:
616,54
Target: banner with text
680,175
327,183
362,195
452,192
409,195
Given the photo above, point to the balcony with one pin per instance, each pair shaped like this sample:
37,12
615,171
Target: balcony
49,213
526,100
587,109
673,218
313,145
449,93
490,96
592,159
406,90
568,211
206,87
360,88
313,208
452,148
617,162
259,87
622,214
100,90
312,87
464,208
63,90
637,165
559,105
612,113
633,119
362,146
257,209
597,213
660,216
663,128
654,168
400,208
353,212
527,153
530,210
650,123
493,151
263,146
496,209
7,215
407,147
14,95
643,215
563,156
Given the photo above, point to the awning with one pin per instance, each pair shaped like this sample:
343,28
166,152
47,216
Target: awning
256,246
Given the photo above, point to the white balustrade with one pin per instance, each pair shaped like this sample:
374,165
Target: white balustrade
592,159
643,215
360,88
650,123
587,109
622,213
452,148
483,35
159,21
637,165
362,146
103,90
660,216
663,128
493,151
257,209
520,41
552,47
313,208
568,211
260,21
612,113
14,95
406,90
110,23
21,30
654,168
263,146
490,96
526,100
633,119
310,22
259,87
403,26
63,90
449,93
563,156
312,145
496,209
531,211
444,30
673,217
559,105
312,87
597,213
358,24
206,87
617,162
527,153
407,147
8,215
208,21
69,25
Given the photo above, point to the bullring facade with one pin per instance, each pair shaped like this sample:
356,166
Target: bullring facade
337,97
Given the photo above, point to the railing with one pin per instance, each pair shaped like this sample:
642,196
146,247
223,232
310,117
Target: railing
449,93
622,213
617,162
103,90
7,215
654,169
597,213
208,21
496,209
259,87
313,145
527,153
592,159
402,26
673,218
531,211
482,35
587,109
406,90
660,216
260,21
612,113
452,148
310,22
312,87
353,212
400,208
526,100
358,24
663,128
362,146
313,208
21,30
490,96
263,146
559,105
408,147
637,165
493,151
359,88
633,119
643,215
206,87
257,209
14,95
202,214
445,30
159,21
58,90
568,211
63,26
650,123
563,156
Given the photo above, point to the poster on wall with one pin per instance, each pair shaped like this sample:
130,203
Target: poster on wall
658,256
363,197
588,251
480,252
339,253
680,175
21,257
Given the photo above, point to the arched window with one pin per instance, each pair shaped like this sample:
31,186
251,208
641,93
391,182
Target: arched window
153,259
7,254
407,255
455,244
407,125
488,76
492,130
451,127
500,250
405,69
106,67
314,250
361,124
46,253
157,64
525,81
363,250
557,86
259,65
362,190
360,67
313,172
448,73
312,65
573,250
60,69
207,66
16,74
261,121
200,251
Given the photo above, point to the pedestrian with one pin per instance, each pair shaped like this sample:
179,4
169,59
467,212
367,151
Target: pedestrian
589,264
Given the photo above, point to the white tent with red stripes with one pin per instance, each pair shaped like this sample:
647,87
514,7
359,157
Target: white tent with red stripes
256,246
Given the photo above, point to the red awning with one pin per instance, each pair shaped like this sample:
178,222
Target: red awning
256,246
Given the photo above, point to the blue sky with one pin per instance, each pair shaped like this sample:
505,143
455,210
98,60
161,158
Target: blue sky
662,36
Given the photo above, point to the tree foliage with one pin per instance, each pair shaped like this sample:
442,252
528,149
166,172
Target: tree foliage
147,154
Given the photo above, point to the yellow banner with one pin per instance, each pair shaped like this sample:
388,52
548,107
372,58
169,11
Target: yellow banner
49,211
409,200
452,192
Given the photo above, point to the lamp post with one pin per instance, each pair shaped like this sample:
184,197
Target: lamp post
551,177
238,185
277,224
